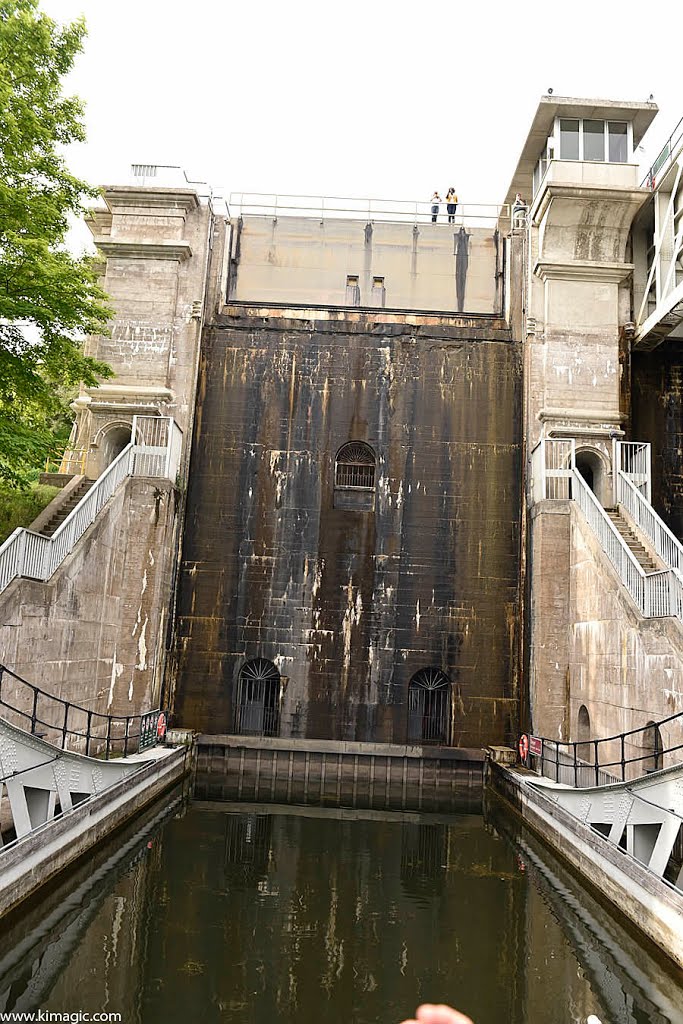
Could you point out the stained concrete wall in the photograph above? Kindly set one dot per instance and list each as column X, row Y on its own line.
column 593, row 647
column 657, row 385
column 94, row 633
column 424, row 266
column 350, row 604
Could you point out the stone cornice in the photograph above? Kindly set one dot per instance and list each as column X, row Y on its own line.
column 111, row 248
column 156, row 198
column 583, row 270
column 580, row 192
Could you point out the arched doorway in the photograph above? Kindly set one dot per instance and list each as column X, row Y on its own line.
column 429, row 707
column 257, row 708
column 652, row 749
column 590, row 465
column 113, row 440
column 584, row 751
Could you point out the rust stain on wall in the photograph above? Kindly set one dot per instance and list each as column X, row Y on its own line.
column 350, row 603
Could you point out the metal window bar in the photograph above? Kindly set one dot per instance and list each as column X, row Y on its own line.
column 355, row 475
column 62, row 722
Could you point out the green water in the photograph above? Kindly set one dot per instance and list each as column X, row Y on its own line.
column 222, row 912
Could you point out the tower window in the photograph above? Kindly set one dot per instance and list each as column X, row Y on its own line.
column 352, row 290
column 355, row 466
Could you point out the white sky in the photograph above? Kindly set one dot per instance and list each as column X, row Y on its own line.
column 356, row 98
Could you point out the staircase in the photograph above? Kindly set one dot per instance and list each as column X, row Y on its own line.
column 643, row 556
column 69, row 505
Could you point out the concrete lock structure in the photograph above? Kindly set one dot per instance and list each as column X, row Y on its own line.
column 361, row 478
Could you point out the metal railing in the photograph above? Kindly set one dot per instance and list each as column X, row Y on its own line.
column 71, row 460
column 251, row 719
column 665, row 545
column 591, row 762
column 60, row 721
column 665, row 156
column 555, row 477
column 263, row 204
column 154, row 451
column 650, row 591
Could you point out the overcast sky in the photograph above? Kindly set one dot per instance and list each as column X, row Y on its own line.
column 359, row 98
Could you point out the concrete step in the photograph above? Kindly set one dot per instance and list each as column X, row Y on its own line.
column 67, row 508
column 644, row 558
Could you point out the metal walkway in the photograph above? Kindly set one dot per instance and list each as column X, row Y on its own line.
column 658, row 250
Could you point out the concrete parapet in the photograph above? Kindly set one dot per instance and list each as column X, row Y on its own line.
column 41, row 856
column 338, row 773
column 651, row 905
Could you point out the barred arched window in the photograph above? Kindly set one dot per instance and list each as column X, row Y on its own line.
column 257, row 708
column 355, row 466
column 429, row 707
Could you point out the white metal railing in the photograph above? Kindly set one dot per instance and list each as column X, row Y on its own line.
column 555, row 476
column 633, row 459
column 338, row 207
column 666, row 546
column 154, row 450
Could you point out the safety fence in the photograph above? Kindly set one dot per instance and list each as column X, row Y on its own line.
column 261, row 204
column 73, row 727
column 153, row 451
column 602, row 762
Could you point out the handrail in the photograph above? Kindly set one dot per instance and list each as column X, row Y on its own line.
column 570, row 763
column 272, row 204
column 652, row 592
column 116, row 734
column 35, row 556
column 666, row 153
column 665, row 544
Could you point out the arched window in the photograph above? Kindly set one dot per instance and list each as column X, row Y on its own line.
column 429, row 707
column 355, row 466
column 257, row 708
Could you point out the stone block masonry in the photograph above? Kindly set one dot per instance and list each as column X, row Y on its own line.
column 94, row 633
column 350, row 604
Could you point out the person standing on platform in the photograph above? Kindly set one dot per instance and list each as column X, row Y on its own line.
column 435, row 203
column 451, row 204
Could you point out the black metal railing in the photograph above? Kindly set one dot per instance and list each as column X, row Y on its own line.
column 591, row 762
column 254, row 719
column 59, row 721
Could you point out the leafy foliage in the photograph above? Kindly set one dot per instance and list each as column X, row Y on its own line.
column 49, row 299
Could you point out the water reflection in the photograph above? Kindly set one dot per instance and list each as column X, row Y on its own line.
column 249, row 914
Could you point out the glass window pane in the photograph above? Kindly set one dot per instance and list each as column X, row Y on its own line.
column 618, row 142
column 593, row 140
column 569, row 139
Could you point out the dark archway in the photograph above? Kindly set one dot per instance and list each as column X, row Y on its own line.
column 257, row 708
column 584, row 751
column 591, row 467
column 429, row 707
column 652, row 749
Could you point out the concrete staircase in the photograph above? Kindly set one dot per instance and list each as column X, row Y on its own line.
column 67, row 506
column 647, row 562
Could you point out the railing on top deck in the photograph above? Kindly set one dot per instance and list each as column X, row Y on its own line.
column 154, row 451
column 261, row 204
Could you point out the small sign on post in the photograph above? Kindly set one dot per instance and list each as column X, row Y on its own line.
column 535, row 746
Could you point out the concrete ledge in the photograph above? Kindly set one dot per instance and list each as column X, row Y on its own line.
column 343, row 747
column 655, row 908
column 41, row 856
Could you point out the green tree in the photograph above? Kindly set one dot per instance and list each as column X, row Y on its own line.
column 49, row 299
